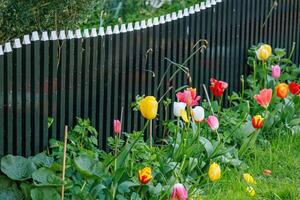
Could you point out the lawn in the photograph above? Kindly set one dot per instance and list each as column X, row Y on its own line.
column 282, row 157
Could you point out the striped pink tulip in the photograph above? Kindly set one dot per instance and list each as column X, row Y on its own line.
column 213, row 122
column 179, row 192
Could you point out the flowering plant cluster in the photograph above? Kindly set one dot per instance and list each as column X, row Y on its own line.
column 201, row 139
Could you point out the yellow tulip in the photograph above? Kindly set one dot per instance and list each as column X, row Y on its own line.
column 264, row 52
column 148, row 107
column 184, row 116
column 249, row 179
column 251, row 192
column 214, row 172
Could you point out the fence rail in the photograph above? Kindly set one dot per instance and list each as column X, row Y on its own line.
column 94, row 73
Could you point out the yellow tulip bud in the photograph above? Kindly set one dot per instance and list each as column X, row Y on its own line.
column 264, row 52
column 251, row 192
column 148, row 107
column 184, row 116
column 249, row 179
column 214, row 172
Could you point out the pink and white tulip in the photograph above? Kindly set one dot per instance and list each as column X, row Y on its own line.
column 213, row 122
column 198, row 113
column 276, row 71
column 179, row 192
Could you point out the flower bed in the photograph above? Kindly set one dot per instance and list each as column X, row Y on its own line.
column 201, row 140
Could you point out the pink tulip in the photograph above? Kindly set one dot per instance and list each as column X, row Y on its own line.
column 213, row 122
column 264, row 97
column 117, row 126
column 276, row 71
column 179, row 192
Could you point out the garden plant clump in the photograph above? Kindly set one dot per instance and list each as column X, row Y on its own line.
column 203, row 140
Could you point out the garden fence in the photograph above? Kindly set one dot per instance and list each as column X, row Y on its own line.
column 95, row 73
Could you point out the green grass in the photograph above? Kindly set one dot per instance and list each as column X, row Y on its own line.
column 282, row 157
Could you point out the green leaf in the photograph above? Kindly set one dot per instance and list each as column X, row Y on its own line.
column 11, row 194
column 207, row 145
column 17, row 167
column 44, row 193
column 88, row 166
column 280, row 52
column 46, row 177
column 125, row 186
column 26, row 189
column 42, row 160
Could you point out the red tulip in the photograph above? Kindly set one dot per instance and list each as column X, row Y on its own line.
column 294, row 88
column 218, row 87
column 117, row 126
column 264, row 97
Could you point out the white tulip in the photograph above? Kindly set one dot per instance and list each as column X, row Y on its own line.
column 198, row 113
column 178, row 107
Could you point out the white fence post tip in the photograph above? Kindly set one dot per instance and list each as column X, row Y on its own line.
column 219, row 1
column 116, row 29
column 129, row 27
column 180, row 15
column 94, row 32
column 123, row 28
column 149, row 23
column 192, row 10
column 1, row 50
column 7, row 47
column 202, row 7
column 86, row 33
column 155, row 21
column 143, row 24
column 197, row 7
column 208, row 4
column 53, row 35
column 26, row 39
column 17, row 43
column 70, row 35
column 108, row 30
column 137, row 26
column 168, row 18
column 62, row 35
column 162, row 19
column 213, row 2
column 101, row 31
column 186, row 12
column 174, row 15
column 45, row 36
column 34, row 36
column 78, row 34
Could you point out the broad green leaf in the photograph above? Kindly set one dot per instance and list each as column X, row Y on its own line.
column 42, row 160
column 46, row 177
column 17, row 167
column 44, row 193
column 125, row 186
column 11, row 194
column 26, row 190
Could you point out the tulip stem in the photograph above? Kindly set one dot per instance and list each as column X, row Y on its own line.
column 150, row 133
column 220, row 104
column 218, row 136
column 206, row 93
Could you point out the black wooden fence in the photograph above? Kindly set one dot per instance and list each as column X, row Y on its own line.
column 94, row 73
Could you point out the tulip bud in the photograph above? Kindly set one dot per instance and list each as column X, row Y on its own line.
column 178, row 107
column 267, row 172
column 250, row 191
column 282, row 90
column 264, row 52
column 214, row 172
column 145, row 175
column 117, row 126
column 148, row 107
column 179, row 192
column 213, row 122
column 276, row 71
column 198, row 113
column 257, row 121
column 249, row 179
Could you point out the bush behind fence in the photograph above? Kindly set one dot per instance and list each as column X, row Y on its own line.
column 94, row 73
